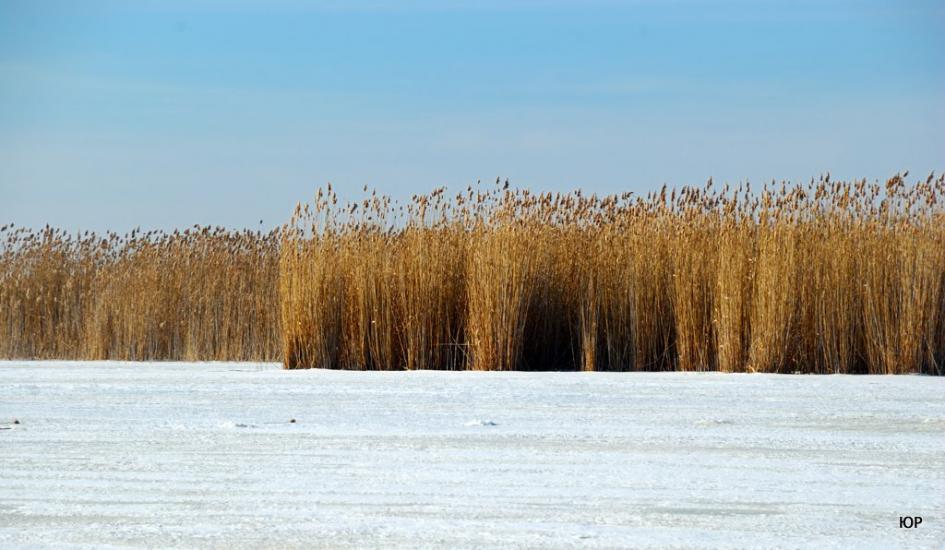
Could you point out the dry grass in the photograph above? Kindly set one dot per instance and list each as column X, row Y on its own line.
column 201, row 294
column 829, row 277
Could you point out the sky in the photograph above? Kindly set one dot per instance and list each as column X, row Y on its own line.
column 117, row 114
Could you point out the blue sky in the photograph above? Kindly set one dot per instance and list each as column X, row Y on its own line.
column 115, row 114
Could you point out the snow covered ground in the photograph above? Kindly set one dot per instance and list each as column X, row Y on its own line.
column 205, row 455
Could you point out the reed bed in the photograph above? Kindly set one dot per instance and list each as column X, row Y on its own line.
column 827, row 277
column 201, row 294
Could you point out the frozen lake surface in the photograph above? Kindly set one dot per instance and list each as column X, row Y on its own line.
column 205, row 455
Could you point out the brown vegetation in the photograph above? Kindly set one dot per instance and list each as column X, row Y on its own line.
column 829, row 277
column 206, row 294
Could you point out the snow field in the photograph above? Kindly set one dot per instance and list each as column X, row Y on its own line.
column 205, row 455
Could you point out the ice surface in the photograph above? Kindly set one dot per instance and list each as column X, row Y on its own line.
column 206, row 455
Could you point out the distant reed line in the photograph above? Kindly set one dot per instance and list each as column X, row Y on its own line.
column 200, row 294
column 827, row 277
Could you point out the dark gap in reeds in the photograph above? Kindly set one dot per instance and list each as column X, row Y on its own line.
column 828, row 277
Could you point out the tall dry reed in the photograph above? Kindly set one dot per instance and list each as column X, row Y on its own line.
column 200, row 294
column 828, row 277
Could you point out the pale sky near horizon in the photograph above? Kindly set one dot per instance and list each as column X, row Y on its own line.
column 165, row 114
